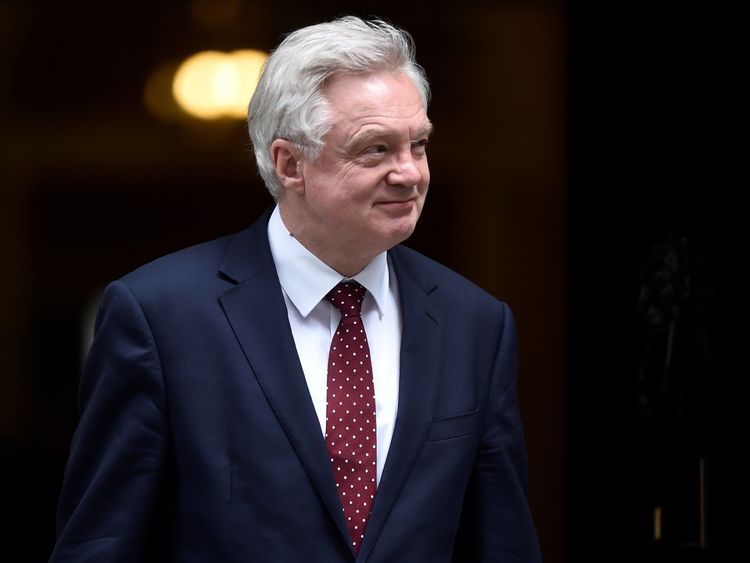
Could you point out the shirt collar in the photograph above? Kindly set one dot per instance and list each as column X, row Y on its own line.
column 306, row 279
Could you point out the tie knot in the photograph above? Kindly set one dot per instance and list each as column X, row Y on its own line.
column 347, row 297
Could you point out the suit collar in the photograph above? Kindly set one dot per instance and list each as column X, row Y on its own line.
column 249, row 252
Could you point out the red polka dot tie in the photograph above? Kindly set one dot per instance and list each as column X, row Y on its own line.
column 351, row 433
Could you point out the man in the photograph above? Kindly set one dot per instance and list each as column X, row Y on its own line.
column 240, row 404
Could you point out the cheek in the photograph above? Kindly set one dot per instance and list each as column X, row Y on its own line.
column 425, row 173
column 347, row 174
column 359, row 185
column 424, row 186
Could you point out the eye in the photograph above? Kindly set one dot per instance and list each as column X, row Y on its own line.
column 419, row 147
column 376, row 149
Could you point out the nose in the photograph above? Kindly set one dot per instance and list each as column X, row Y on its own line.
column 406, row 172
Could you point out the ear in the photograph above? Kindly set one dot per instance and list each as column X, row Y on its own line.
column 287, row 161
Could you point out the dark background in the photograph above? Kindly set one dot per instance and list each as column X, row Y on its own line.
column 587, row 165
column 657, row 144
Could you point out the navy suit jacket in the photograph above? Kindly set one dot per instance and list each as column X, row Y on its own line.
column 198, row 440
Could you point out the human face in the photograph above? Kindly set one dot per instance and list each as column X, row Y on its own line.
column 365, row 192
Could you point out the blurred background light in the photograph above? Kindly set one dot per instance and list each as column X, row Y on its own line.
column 158, row 96
column 216, row 85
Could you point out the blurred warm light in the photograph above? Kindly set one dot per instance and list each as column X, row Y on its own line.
column 157, row 94
column 212, row 84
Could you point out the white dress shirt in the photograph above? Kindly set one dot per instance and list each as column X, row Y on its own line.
column 305, row 281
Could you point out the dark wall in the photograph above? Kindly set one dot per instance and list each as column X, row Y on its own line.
column 658, row 144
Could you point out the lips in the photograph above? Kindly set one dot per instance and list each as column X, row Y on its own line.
column 396, row 202
column 397, row 205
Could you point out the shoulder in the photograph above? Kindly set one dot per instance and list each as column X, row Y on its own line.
column 441, row 281
column 211, row 265
column 194, row 264
column 170, row 294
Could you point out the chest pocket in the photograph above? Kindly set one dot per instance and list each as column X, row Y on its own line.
column 456, row 426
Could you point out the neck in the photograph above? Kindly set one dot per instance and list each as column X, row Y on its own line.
column 337, row 256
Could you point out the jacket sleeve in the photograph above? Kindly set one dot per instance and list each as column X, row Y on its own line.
column 117, row 455
column 496, row 523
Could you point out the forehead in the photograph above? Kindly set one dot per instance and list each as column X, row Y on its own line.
column 380, row 96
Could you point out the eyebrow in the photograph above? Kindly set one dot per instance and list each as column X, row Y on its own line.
column 426, row 129
column 370, row 134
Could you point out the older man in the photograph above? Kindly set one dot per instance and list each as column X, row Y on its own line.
column 307, row 390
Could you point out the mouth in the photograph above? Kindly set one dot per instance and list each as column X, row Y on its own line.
column 397, row 204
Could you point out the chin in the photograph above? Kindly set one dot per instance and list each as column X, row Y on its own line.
column 401, row 233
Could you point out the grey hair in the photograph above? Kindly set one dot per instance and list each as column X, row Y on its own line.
column 288, row 102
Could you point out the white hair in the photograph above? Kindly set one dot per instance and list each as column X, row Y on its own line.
column 288, row 102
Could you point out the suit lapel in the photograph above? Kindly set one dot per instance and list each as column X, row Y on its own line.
column 257, row 313
column 421, row 339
